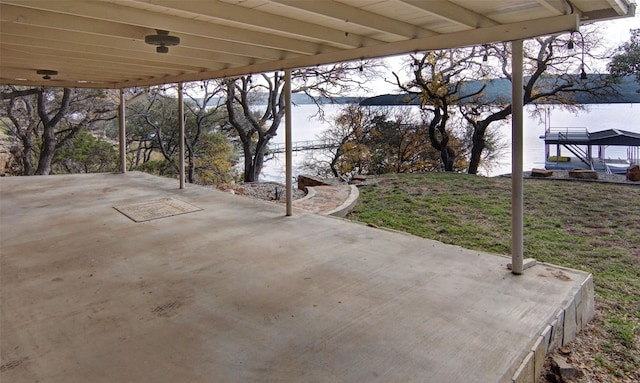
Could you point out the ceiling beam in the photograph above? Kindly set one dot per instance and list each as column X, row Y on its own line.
column 180, row 58
column 608, row 14
column 15, row 73
column 270, row 22
column 125, row 38
column 453, row 12
column 49, row 57
column 119, row 16
column 515, row 31
column 620, row 6
column 558, row 7
column 359, row 17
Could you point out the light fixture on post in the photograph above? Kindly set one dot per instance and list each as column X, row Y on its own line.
column 46, row 73
column 162, row 40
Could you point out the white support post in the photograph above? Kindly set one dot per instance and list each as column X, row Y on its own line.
column 122, row 134
column 288, row 143
column 181, row 134
column 517, row 179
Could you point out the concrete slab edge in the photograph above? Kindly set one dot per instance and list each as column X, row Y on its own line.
column 574, row 315
column 348, row 205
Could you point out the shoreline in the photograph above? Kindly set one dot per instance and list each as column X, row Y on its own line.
column 563, row 175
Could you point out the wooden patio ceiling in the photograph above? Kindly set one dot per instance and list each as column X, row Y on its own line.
column 101, row 44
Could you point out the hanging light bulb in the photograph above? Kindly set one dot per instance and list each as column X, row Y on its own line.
column 570, row 44
column 583, row 74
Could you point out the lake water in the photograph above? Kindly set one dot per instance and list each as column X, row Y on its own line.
column 594, row 118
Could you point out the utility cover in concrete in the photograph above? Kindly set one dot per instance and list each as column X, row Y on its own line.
column 155, row 209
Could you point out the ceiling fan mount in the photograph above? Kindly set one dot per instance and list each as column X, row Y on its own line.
column 46, row 73
column 162, row 40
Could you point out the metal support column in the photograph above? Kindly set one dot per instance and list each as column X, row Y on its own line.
column 122, row 134
column 181, row 134
column 517, row 179
column 288, row 143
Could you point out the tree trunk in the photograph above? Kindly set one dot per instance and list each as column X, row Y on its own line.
column 27, row 150
column 448, row 156
column 191, row 167
column 253, row 162
column 47, row 150
column 477, row 148
column 248, row 161
column 49, row 124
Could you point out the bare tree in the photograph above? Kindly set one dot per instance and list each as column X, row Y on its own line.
column 204, row 115
column 555, row 73
column 377, row 140
column 438, row 79
column 255, row 128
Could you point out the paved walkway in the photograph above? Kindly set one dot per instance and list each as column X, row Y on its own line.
column 335, row 200
column 237, row 292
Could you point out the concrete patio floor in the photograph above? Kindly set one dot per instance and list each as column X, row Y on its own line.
column 237, row 292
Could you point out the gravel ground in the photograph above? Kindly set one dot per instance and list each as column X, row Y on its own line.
column 268, row 191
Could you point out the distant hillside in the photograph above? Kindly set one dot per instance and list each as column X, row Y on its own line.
column 303, row 99
column 499, row 91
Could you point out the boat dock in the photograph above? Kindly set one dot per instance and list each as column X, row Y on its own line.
column 587, row 150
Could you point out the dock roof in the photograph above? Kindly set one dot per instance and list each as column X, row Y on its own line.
column 611, row 137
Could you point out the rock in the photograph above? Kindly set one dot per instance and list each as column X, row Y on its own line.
column 358, row 179
column 564, row 371
column 305, row 180
column 583, row 174
column 633, row 173
column 535, row 172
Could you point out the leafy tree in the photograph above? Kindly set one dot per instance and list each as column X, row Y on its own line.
column 43, row 120
column 153, row 134
column 215, row 160
column 627, row 61
column 152, row 123
column 204, row 117
column 85, row 153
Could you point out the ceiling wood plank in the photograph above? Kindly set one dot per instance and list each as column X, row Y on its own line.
column 453, row 12
column 268, row 21
column 91, row 60
column 515, row 31
column 555, row 6
column 188, row 41
column 149, row 21
column 357, row 16
column 180, row 58
column 103, row 40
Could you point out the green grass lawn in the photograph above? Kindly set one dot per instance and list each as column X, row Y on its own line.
column 593, row 227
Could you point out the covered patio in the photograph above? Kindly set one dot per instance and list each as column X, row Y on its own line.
column 237, row 292
column 243, row 290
